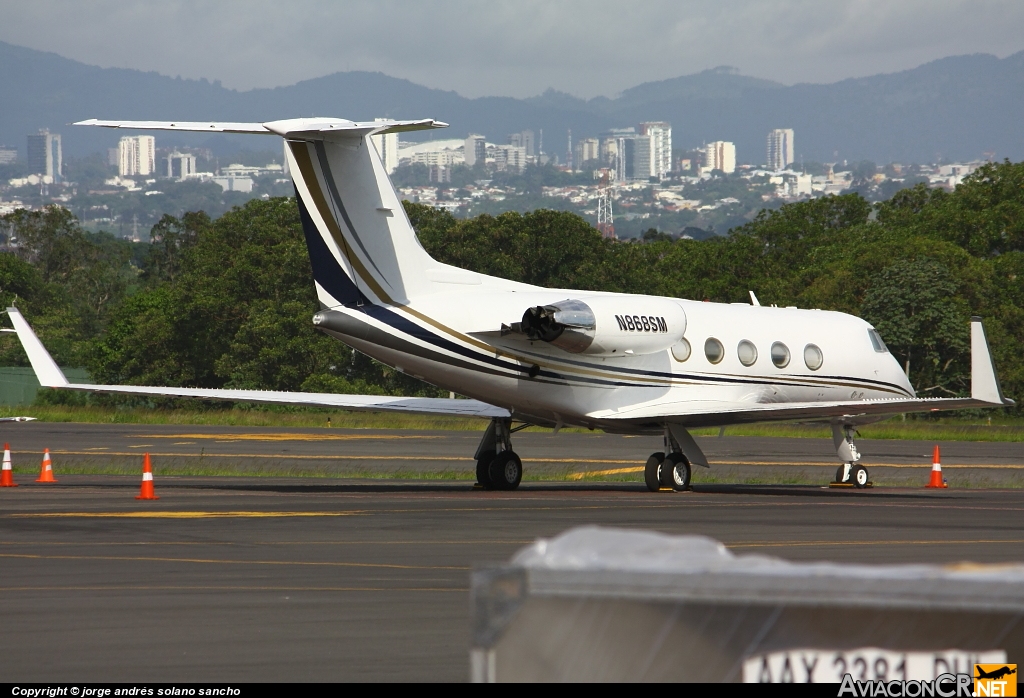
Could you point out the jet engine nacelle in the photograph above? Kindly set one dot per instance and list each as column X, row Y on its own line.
column 607, row 326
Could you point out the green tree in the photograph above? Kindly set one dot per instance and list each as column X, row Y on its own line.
column 916, row 308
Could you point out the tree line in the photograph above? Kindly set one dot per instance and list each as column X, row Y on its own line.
column 227, row 302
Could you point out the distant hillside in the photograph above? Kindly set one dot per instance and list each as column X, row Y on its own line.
column 958, row 107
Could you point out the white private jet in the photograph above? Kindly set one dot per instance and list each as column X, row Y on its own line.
column 526, row 355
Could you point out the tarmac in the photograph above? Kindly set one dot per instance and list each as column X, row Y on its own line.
column 238, row 579
column 411, row 453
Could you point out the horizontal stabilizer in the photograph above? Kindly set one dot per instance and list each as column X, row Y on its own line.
column 288, row 128
column 50, row 376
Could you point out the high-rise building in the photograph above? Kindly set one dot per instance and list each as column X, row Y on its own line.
column 387, row 148
column 720, row 155
column 511, row 158
column 661, row 145
column 780, row 149
column 475, row 150
column 44, row 155
column 8, row 155
column 136, row 156
column 634, row 161
column 523, row 139
column 610, row 143
column 587, row 149
column 181, row 165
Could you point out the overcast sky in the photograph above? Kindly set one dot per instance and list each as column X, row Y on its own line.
column 516, row 48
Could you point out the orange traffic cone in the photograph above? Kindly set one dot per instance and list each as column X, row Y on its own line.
column 46, row 469
column 936, row 480
column 147, row 480
column 7, row 475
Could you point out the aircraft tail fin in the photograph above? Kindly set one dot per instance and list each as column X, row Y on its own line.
column 361, row 243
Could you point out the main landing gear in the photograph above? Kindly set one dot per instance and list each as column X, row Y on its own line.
column 497, row 465
column 850, row 472
column 668, row 471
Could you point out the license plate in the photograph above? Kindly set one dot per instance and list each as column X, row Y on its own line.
column 865, row 664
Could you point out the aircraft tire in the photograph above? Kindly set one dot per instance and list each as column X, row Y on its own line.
column 680, row 474
column 483, row 465
column 505, row 471
column 839, row 472
column 859, row 475
column 652, row 471
column 675, row 472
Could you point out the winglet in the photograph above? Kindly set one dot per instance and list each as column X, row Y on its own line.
column 47, row 371
column 984, row 382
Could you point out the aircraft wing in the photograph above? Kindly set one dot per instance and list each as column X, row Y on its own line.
column 50, row 376
column 698, row 413
column 985, row 393
column 288, row 128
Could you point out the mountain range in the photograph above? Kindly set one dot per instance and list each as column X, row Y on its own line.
column 956, row 108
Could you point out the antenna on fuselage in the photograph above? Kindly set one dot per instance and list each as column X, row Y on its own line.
column 753, row 299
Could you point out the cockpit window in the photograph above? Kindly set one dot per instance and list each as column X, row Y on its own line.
column 876, row 341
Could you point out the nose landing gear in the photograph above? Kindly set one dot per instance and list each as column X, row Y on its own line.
column 850, row 473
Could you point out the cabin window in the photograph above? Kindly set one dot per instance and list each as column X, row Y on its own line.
column 876, row 341
column 714, row 350
column 813, row 357
column 747, row 352
column 780, row 355
column 681, row 350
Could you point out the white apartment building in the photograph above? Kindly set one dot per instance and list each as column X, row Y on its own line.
column 587, row 149
column 387, row 148
column 475, row 150
column 136, row 156
column 780, row 149
column 510, row 157
column 720, row 155
column 661, row 146
column 437, row 158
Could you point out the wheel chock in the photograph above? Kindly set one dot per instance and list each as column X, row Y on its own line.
column 666, row 489
column 850, row 485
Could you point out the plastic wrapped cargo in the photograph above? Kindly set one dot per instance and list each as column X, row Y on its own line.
column 606, row 604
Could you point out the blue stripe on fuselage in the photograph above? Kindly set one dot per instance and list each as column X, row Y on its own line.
column 326, row 270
